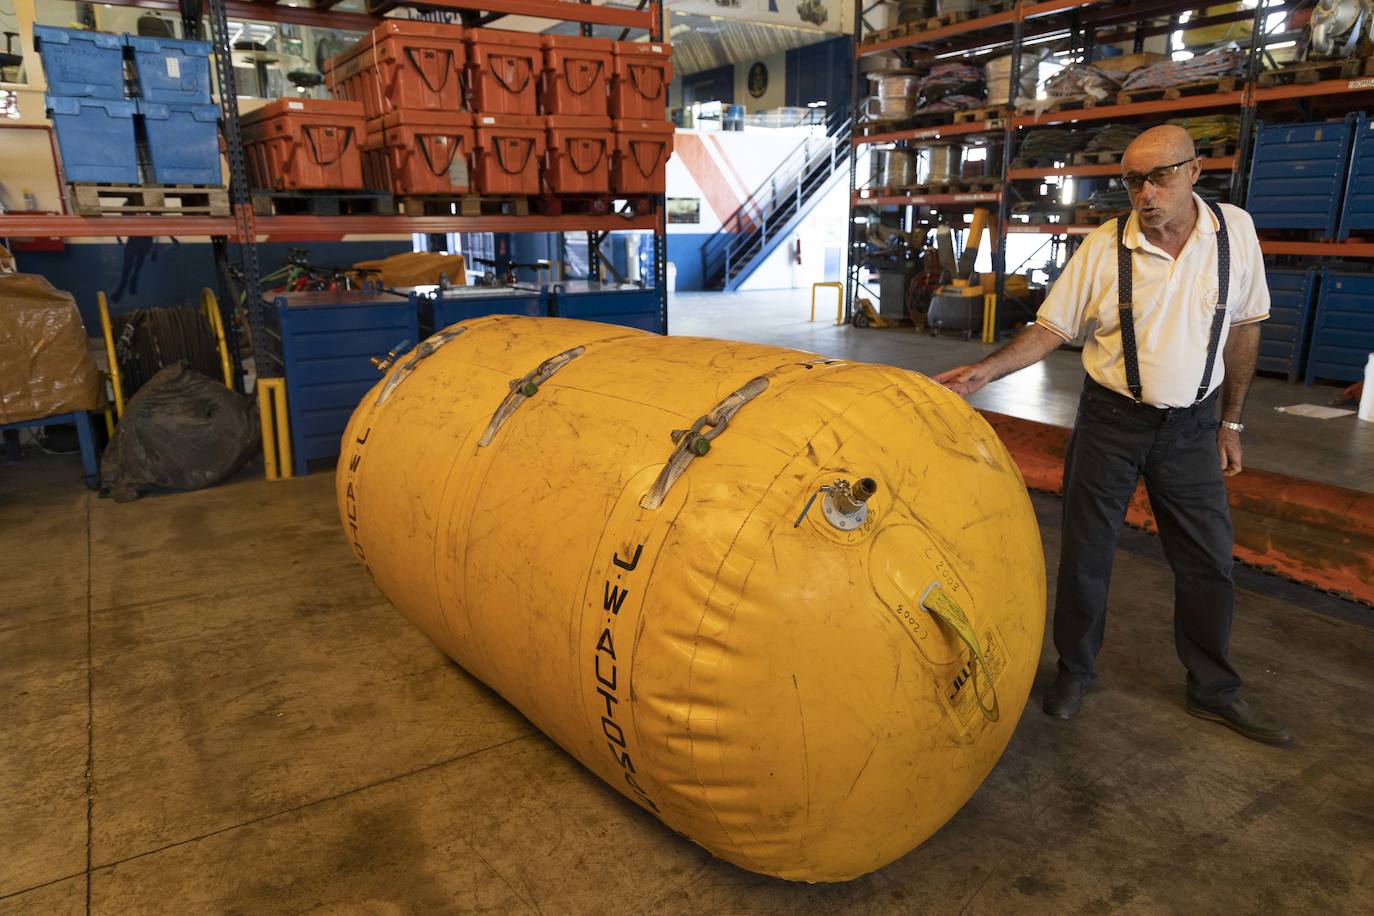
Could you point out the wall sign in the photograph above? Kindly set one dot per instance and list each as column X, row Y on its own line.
column 758, row 80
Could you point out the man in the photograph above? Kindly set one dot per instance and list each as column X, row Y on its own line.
column 1162, row 292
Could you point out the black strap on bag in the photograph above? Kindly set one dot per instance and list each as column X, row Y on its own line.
column 1126, row 310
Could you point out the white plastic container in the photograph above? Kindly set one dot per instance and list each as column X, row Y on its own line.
column 1366, row 412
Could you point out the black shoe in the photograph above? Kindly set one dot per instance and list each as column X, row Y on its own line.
column 1065, row 696
column 1243, row 718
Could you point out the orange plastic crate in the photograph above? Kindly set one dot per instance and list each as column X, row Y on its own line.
column 305, row 144
column 640, row 162
column 508, row 154
column 419, row 152
column 579, row 155
column 577, row 75
column 504, row 70
column 639, row 80
column 402, row 64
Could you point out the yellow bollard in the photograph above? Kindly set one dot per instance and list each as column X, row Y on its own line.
column 839, row 303
column 989, row 318
column 276, row 429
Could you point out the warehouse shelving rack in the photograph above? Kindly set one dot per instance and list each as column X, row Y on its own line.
column 1085, row 23
column 245, row 229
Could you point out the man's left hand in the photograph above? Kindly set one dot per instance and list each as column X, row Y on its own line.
column 1228, row 446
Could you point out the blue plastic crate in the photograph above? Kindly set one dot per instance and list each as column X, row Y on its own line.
column 171, row 70
column 326, row 344
column 182, row 141
column 1357, row 214
column 1343, row 332
column 629, row 306
column 81, row 64
column 439, row 309
column 1297, row 175
column 95, row 138
column 1283, row 337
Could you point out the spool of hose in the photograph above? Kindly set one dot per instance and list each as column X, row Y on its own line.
column 146, row 341
column 791, row 606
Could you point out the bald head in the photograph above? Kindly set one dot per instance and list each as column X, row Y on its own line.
column 1162, row 145
column 1166, row 155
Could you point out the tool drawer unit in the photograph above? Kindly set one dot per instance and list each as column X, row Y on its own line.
column 441, row 308
column 1343, row 331
column 325, row 343
column 1297, row 175
column 1284, row 335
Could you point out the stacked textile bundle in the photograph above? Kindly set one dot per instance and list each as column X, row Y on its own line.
column 1083, row 81
column 1205, row 67
column 1212, row 129
column 951, row 87
column 1114, row 138
column 1052, row 144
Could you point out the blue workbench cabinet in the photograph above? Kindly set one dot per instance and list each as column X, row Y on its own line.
column 624, row 304
column 325, row 342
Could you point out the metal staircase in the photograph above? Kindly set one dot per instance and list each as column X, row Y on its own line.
column 777, row 207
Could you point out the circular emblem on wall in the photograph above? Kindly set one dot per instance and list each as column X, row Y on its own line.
column 758, row 80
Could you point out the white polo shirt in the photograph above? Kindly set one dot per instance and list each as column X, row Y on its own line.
column 1174, row 302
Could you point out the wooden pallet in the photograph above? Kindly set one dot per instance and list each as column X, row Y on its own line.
column 952, row 18
column 464, row 204
column 322, row 203
column 592, row 205
column 165, row 200
column 993, row 114
column 1064, row 103
column 1111, row 157
column 900, row 30
column 1315, row 71
column 960, row 186
column 1202, row 87
column 1086, row 216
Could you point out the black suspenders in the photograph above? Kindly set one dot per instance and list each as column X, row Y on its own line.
column 1126, row 308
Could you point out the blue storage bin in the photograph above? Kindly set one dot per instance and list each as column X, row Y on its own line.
column 630, row 306
column 183, row 142
column 171, row 70
column 95, row 138
column 1297, row 175
column 325, row 344
column 81, row 64
column 1283, row 337
column 1343, row 332
column 440, row 308
column 1357, row 214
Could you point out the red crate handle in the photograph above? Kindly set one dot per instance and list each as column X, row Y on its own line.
column 635, row 79
column 512, row 141
column 656, row 146
column 311, row 133
column 568, row 70
column 429, row 160
column 425, row 76
column 586, row 144
column 496, row 72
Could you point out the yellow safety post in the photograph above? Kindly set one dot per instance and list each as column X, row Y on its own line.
column 276, row 429
column 989, row 318
column 210, row 305
column 839, row 303
column 116, row 381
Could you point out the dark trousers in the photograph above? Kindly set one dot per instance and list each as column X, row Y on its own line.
column 1115, row 441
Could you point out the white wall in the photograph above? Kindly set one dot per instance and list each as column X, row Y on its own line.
column 827, row 226
column 776, row 94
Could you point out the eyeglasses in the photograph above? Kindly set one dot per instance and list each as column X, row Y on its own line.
column 1158, row 177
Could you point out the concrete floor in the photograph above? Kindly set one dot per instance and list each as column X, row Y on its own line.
column 210, row 709
column 1339, row 451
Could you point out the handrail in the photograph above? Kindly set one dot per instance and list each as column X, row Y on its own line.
column 750, row 223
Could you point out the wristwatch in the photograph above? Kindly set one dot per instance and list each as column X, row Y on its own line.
column 1238, row 427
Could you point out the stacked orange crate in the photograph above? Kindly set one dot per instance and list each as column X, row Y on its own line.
column 643, row 140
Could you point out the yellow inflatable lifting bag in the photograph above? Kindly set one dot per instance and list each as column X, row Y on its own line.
column 660, row 551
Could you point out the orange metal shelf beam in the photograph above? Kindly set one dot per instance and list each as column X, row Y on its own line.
column 930, row 133
column 1351, row 249
column 1048, row 229
column 1307, row 90
column 1111, row 169
column 968, row 197
column 1135, row 109
column 1006, row 17
column 303, row 228
column 362, row 22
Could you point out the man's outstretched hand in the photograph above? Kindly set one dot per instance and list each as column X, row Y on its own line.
column 965, row 380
